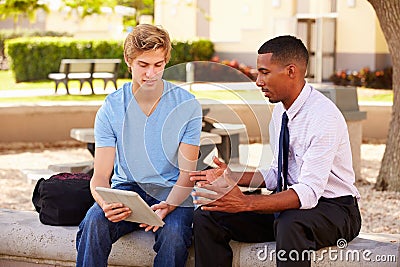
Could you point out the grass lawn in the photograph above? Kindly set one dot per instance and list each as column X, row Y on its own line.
column 381, row 95
column 7, row 83
column 240, row 95
column 33, row 99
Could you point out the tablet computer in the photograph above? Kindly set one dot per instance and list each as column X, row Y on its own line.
column 141, row 212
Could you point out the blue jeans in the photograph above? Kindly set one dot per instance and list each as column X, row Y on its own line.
column 96, row 233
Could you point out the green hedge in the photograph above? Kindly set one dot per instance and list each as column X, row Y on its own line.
column 200, row 50
column 9, row 34
column 191, row 51
column 34, row 58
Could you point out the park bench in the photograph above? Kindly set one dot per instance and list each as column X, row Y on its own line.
column 85, row 70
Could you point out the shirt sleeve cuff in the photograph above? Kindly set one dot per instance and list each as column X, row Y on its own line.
column 269, row 178
column 105, row 143
column 307, row 197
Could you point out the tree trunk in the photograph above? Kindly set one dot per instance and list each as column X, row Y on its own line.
column 388, row 13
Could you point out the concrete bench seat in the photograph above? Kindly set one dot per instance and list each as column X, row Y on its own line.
column 26, row 242
column 25, row 239
column 229, row 132
column 72, row 167
column 208, row 142
column 33, row 175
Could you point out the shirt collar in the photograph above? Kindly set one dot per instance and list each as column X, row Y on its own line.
column 299, row 102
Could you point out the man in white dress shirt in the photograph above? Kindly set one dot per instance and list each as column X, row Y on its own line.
column 319, row 206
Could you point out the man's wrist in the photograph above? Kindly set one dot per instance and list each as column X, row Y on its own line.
column 250, row 203
column 170, row 207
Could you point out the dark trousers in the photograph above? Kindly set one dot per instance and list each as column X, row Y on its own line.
column 299, row 230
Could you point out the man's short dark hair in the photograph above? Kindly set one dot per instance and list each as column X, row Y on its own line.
column 285, row 50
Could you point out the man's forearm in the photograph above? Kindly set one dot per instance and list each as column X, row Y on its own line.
column 187, row 160
column 181, row 190
column 95, row 183
column 249, row 179
column 285, row 200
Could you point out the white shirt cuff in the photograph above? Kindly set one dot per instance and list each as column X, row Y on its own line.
column 307, row 197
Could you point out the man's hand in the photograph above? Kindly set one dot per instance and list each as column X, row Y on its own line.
column 209, row 176
column 162, row 209
column 224, row 196
column 116, row 212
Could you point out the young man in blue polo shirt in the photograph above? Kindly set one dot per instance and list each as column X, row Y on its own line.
column 148, row 133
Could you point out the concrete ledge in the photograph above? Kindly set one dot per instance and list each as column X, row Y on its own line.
column 26, row 242
column 72, row 167
column 377, row 124
column 46, row 122
column 24, row 238
column 33, row 175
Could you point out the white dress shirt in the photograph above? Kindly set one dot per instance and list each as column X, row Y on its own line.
column 320, row 161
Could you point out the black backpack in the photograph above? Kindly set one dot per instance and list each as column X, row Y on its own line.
column 63, row 199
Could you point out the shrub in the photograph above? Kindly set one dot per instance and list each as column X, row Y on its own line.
column 200, row 50
column 34, row 58
column 8, row 34
column 250, row 72
column 182, row 52
column 379, row 79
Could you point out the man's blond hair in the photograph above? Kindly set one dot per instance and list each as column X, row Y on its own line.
column 146, row 37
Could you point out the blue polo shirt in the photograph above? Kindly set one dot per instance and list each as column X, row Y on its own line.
column 147, row 146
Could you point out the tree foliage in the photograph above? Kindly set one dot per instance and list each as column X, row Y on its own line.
column 143, row 7
column 89, row 7
column 16, row 8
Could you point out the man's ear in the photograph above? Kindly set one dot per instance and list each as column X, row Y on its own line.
column 291, row 70
column 127, row 62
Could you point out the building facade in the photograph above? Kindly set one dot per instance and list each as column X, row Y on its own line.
column 340, row 34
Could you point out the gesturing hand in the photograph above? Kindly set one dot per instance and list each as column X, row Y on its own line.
column 209, row 176
column 221, row 195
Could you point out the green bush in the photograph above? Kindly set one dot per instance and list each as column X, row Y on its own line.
column 5, row 35
column 9, row 34
column 34, row 58
column 379, row 79
column 200, row 50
